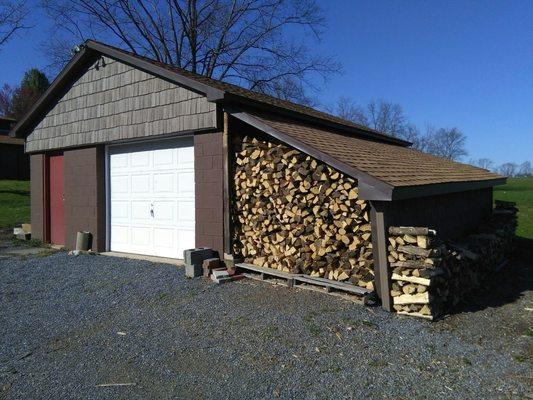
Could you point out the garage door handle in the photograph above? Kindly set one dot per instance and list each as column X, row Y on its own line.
column 152, row 210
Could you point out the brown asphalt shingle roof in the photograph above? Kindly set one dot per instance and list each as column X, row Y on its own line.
column 257, row 96
column 394, row 165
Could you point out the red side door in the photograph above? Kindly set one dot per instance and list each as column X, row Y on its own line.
column 57, row 214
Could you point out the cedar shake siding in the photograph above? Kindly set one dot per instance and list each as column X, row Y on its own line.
column 209, row 178
column 113, row 101
column 37, row 196
column 84, row 174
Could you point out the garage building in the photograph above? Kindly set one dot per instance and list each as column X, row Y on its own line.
column 140, row 154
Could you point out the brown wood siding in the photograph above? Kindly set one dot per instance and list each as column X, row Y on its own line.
column 85, row 195
column 113, row 101
column 451, row 215
column 37, row 191
column 209, row 178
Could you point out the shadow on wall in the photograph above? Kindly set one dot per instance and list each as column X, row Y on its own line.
column 19, row 192
column 506, row 285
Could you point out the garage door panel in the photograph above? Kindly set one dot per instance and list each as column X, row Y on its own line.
column 156, row 177
column 165, row 158
column 165, row 183
column 121, row 234
column 186, row 184
column 121, row 211
column 140, row 159
column 140, row 211
column 120, row 161
column 165, row 239
column 164, row 213
column 185, row 158
column 186, row 213
column 141, row 236
column 120, row 184
column 186, row 239
column 141, row 184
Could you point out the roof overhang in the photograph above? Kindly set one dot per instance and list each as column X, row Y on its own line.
column 370, row 188
column 236, row 101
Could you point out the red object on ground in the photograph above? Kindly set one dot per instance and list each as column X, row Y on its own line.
column 57, row 199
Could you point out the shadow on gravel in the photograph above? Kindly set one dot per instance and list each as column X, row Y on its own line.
column 505, row 286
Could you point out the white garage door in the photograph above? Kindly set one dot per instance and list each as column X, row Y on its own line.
column 151, row 198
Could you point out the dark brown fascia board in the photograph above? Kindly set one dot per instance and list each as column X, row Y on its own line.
column 211, row 93
column 370, row 188
column 409, row 192
column 43, row 103
column 233, row 100
column 163, row 136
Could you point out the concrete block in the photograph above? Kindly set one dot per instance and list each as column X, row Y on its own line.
column 197, row 256
column 193, row 270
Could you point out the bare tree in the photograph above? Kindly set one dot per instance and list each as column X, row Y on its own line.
column 386, row 117
column 448, row 143
column 349, row 110
column 383, row 116
column 485, row 163
column 6, row 100
column 242, row 41
column 13, row 16
column 507, row 169
column 525, row 169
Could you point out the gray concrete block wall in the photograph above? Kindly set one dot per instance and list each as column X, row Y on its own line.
column 209, row 178
column 37, row 193
column 85, row 195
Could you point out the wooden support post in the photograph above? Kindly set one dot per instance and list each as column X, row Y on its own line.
column 382, row 279
column 227, row 188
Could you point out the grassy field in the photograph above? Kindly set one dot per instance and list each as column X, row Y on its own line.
column 519, row 190
column 14, row 203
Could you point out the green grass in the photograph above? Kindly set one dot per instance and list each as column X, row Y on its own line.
column 14, row 203
column 519, row 190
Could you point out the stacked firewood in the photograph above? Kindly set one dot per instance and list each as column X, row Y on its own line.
column 299, row 215
column 430, row 276
column 414, row 259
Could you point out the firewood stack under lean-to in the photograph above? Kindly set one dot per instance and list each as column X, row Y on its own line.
column 299, row 215
column 430, row 276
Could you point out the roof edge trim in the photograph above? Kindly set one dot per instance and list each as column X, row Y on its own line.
column 363, row 133
column 370, row 188
column 409, row 192
column 212, row 93
column 55, row 86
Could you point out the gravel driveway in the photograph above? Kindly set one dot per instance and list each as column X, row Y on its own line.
column 69, row 326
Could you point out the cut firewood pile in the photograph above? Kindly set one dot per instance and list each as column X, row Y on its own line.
column 298, row 215
column 429, row 276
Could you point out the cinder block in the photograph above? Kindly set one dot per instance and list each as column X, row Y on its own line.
column 197, row 256
column 209, row 265
column 193, row 271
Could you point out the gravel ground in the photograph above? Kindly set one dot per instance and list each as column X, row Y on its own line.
column 70, row 324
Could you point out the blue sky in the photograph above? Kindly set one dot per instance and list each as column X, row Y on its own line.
column 451, row 63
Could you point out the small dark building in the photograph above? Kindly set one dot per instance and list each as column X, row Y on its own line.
column 14, row 163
